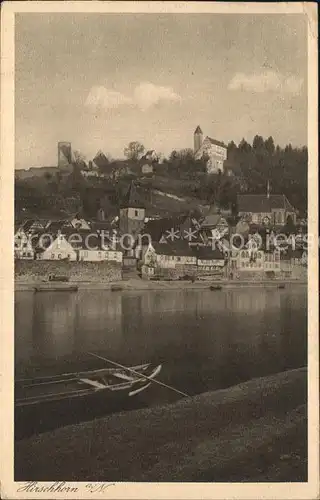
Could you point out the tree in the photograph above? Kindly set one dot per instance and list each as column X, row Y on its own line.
column 231, row 146
column 269, row 145
column 258, row 143
column 185, row 154
column 244, row 146
column 134, row 150
column 173, row 156
column 182, row 164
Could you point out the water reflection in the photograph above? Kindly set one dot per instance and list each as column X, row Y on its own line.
column 205, row 339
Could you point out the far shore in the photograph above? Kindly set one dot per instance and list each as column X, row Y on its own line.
column 140, row 284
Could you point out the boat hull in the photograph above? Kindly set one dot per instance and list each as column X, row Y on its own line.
column 39, row 414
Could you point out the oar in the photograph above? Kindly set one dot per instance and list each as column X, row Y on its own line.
column 140, row 374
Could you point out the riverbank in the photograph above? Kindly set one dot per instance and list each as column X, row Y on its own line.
column 255, row 431
column 140, row 285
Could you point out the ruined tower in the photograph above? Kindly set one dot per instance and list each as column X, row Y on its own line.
column 64, row 154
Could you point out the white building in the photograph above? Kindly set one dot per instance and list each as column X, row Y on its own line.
column 214, row 151
column 23, row 248
column 168, row 255
column 57, row 249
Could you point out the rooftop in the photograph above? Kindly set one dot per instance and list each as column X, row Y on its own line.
column 207, row 253
column 217, row 143
column 261, row 203
column 178, row 248
column 132, row 198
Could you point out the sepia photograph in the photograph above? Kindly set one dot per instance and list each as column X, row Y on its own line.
column 159, row 200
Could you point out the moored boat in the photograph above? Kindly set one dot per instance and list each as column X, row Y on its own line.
column 108, row 381
column 56, row 288
column 45, row 403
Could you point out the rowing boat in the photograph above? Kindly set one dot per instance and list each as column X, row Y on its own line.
column 109, row 381
column 42, row 404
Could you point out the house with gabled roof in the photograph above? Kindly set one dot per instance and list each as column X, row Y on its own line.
column 213, row 226
column 79, row 222
column 169, row 254
column 209, row 259
column 25, row 234
column 174, row 228
column 58, row 225
column 55, row 246
column 33, row 225
column 150, row 155
column 94, row 247
column 147, row 162
column 214, row 151
column 23, row 246
column 267, row 209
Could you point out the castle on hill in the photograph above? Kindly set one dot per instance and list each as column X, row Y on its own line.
column 214, row 151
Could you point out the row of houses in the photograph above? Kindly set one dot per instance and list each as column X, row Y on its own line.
column 215, row 243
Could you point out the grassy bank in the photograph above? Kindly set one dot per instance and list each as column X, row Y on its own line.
column 255, row 431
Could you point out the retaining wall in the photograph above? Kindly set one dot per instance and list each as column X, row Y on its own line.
column 35, row 271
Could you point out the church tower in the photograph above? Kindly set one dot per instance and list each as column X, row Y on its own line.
column 132, row 212
column 197, row 138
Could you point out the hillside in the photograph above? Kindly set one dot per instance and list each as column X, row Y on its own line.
column 178, row 184
column 41, row 198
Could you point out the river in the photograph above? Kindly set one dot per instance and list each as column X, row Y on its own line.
column 205, row 340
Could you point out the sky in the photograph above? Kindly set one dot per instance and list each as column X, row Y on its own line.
column 102, row 80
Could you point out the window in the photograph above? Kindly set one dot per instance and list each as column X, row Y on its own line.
column 279, row 217
column 59, row 256
column 136, row 213
column 254, row 218
column 52, row 256
column 179, row 259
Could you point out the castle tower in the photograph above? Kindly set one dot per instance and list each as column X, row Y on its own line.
column 197, row 138
column 132, row 212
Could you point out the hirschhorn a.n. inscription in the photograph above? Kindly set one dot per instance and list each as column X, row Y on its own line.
column 56, row 487
column 161, row 247
column 61, row 487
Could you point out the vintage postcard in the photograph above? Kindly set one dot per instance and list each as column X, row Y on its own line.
column 159, row 257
